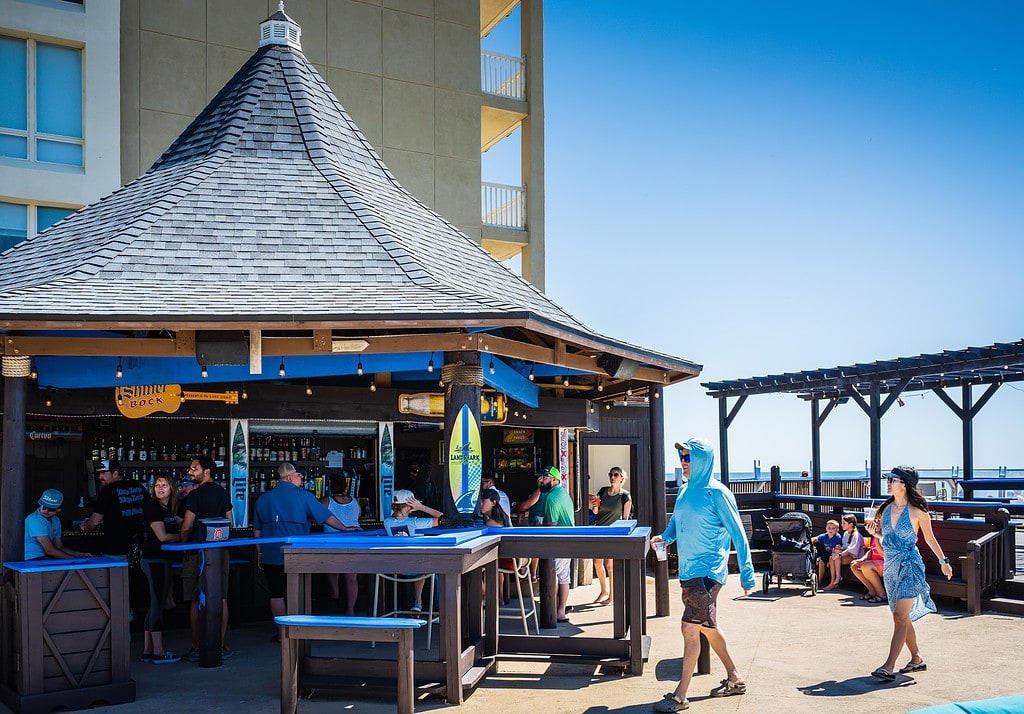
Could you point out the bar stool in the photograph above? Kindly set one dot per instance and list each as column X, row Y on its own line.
column 395, row 611
column 520, row 571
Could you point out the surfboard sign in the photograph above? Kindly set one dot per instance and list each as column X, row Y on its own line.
column 387, row 467
column 465, row 461
column 239, row 470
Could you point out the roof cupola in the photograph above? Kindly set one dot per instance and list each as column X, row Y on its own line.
column 279, row 29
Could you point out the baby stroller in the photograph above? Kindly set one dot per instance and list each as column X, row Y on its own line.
column 792, row 551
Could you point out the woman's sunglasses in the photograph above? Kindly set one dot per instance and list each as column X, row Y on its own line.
column 685, row 458
column 895, row 478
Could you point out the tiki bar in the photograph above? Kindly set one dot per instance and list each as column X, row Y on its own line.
column 266, row 293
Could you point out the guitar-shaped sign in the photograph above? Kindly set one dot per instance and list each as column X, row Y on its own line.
column 137, row 402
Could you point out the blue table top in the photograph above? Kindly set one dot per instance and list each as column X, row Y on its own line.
column 433, row 537
column 42, row 565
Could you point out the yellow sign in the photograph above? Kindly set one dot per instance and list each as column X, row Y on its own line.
column 493, row 406
column 137, row 402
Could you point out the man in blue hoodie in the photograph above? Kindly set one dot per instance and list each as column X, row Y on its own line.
column 704, row 522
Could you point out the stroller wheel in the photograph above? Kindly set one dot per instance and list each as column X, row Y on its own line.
column 766, row 581
column 814, row 583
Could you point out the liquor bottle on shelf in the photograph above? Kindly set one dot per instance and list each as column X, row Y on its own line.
column 120, row 447
column 131, row 449
column 143, row 454
column 174, row 452
column 152, row 450
column 222, row 449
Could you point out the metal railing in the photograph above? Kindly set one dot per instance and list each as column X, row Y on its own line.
column 503, row 75
column 503, row 206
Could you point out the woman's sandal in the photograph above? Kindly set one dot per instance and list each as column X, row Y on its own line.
column 884, row 674
column 876, row 599
column 913, row 667
column 866, row 597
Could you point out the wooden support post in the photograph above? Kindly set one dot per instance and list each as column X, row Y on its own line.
column 967, row 429
column 723, row 440
column 656, row 415
column 213, row 563
column 548, row 594
column 463, row 379
column 12, row 486
column 815, row 449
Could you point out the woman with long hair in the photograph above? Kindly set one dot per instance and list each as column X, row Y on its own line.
column 898, row 521
column 403, row 503
column 611, row 504
column 160, row 514
column 346, row 509
column 495, row 517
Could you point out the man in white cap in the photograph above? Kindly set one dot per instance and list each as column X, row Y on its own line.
column 43, row 531
column 558, row 511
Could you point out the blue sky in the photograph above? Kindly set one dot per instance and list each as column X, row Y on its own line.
column 765, row 187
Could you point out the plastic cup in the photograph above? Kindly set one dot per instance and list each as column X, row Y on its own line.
column 661, row 550
column 869, row 513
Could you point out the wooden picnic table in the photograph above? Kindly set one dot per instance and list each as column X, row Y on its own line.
column 627, row 545
column 461, row 559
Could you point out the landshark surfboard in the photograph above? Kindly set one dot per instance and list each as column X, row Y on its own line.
column 465, row 461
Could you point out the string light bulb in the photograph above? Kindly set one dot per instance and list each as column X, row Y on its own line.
column 245, row 393
column 531, row 377
column 33, row 374
column 280, row 370
column 119, row 373
column 430, row 364
column 206, row 372
column 359, row 366
column 591, row 407
column 565, row 381
column 309, row 390
column 490, row 367
column 119, row 399
column 608, row 407
column 600, row 385
column 373, row 384
column 49, row 403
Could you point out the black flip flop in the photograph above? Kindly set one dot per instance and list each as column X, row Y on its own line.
column 913, row 667
column 883, row 674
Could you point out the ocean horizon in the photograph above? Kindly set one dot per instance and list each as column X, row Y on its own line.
column 926, row 474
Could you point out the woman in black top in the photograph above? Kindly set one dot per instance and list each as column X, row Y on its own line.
column 609, row 505
column 162, row 526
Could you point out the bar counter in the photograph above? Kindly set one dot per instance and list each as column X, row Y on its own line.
column 67, row 625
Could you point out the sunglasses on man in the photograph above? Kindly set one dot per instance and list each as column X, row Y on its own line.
column 684, row 457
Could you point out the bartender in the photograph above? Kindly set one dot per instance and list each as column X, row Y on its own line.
column 43, row 530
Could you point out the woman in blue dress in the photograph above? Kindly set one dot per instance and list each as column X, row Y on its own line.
column 900, row 518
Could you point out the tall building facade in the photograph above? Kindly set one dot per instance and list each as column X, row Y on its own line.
column 93, row 91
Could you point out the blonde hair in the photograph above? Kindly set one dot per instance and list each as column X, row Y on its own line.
column 832, row 522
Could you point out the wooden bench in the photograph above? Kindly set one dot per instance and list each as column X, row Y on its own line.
column 975, row 549
column 297, row 628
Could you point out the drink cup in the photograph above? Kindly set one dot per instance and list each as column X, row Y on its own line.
column 595, row 502
column 869, row 513
column 661, row 550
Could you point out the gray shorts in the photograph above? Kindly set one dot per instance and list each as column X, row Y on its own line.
column 700, row 601
column 190, row 577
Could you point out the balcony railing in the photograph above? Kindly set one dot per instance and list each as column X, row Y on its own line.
column 503, row 206
column 503, row 75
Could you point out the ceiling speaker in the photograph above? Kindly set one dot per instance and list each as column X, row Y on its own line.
column 617, row 367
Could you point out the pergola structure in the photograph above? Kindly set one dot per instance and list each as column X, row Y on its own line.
column 867, row 384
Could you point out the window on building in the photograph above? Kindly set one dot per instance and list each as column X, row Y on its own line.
column 15, row 218
column 40, row 101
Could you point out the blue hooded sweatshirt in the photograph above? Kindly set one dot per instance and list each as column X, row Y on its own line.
column 704, row 521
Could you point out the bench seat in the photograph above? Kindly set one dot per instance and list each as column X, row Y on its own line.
column 297, row 628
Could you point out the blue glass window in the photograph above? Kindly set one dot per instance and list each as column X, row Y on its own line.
column 40, row 102
column 13, row 84
column 13, row 224
column 59, row 90
column 46, row 216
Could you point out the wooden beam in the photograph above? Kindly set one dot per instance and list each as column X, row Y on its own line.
column 255, row 351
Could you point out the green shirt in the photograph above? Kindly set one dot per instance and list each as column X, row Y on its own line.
column 558, row 508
